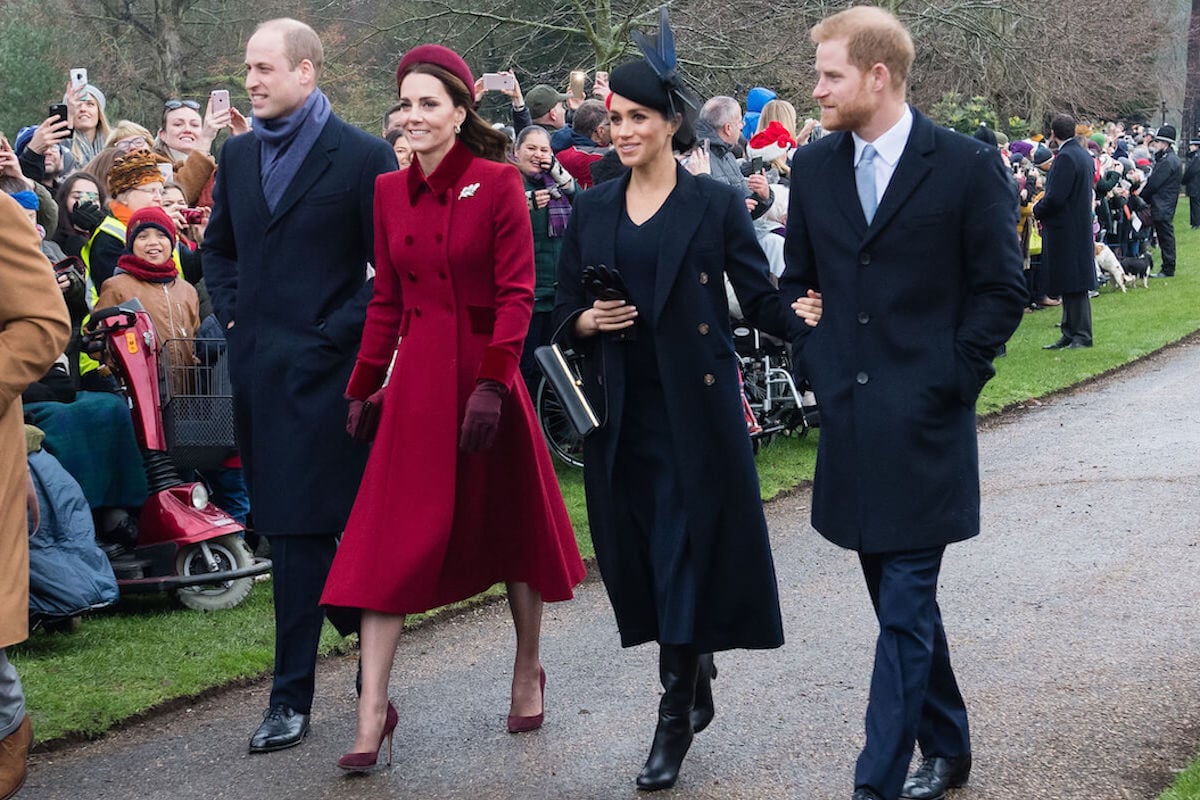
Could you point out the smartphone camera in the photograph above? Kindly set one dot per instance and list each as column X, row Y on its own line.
column 193, row 216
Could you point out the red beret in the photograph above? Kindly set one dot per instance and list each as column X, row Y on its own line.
column 440, row 56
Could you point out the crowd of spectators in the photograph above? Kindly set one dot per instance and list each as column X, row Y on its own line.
column 83, row 180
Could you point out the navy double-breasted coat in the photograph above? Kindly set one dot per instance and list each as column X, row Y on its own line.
column 915, row 306
column 710, row 236
column 294, row 282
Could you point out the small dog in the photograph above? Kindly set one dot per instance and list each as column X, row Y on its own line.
column 1107, row 261
column 1138, row 267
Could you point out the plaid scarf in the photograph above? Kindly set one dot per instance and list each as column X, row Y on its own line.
column 559, row 209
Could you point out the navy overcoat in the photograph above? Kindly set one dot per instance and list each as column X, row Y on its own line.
column 711, row 235
column 914, row 307
column 294, row 283
column 1065, row 211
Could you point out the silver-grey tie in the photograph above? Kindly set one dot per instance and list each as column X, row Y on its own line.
column 864, row 178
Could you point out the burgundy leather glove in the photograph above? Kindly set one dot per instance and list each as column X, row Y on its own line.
column 482, row 419
column 360, row 429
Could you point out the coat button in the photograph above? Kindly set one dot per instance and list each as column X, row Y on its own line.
column 442, row 275
column 408, row 240
column 703, row 328
column 437, row 237
column 864, row 258
column 703, row 277
column 863, row 318
column 412, row 276
column 709, row 379
column 417, row 311
column 862, row 378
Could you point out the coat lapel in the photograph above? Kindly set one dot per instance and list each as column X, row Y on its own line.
column 842, row 184
column 684, row 215
column 915, row 163
column 315, row 164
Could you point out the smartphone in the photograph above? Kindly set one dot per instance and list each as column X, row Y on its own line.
column 193, row 216
column 704, row 146
column 219, row 100
column 496, row 81
column 756, row 165
column 575, row 87
column 601, row 76
column 79, row 78
column 58, row 110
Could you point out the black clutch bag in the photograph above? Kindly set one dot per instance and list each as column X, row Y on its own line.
column 567, row 384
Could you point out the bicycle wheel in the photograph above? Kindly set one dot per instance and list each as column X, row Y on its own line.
column 564, row 442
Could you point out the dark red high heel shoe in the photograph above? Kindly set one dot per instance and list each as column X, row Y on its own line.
column 517, row 724
column 365, row 762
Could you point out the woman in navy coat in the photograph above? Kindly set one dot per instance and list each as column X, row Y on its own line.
column 672, row 492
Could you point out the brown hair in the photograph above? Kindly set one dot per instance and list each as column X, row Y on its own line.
column 479, row 137
column 873, row 36
column 300, row 42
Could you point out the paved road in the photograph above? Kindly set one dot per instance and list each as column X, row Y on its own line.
column 1074, row 620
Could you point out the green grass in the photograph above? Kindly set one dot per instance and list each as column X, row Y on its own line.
column 1186, row 785
column 150, row 652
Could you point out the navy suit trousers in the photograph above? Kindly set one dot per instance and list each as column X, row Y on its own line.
column 914, row 696
column 299, row 566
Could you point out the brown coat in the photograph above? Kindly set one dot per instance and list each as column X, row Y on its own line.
column 174, row 308
column 34, row 328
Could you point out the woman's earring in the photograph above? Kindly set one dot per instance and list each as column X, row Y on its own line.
column 457, row 129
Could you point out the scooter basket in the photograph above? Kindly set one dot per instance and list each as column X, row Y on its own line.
column 198, row 403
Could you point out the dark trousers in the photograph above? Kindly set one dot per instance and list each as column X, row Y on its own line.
column 1165, row 230
column 1077, row 317
column 299, row 566
column 1194, row 210
column 914, row 696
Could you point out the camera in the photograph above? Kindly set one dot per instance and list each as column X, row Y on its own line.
column 193, row 216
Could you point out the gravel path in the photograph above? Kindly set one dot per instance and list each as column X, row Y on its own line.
column 1074, row 622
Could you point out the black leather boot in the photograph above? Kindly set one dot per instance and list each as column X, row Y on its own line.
column 702, row 710
column 677, row 667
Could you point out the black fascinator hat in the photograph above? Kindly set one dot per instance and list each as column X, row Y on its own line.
column 654, row 81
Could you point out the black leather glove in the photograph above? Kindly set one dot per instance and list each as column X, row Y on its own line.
column 604, row 283
column 482, row 418
column 87, row 216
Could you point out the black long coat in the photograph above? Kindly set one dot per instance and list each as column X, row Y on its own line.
column 1065, row 211
column 914, row 307
column 1162, row 187
column 294, row 282
column 711, row 235
column 1191, row 176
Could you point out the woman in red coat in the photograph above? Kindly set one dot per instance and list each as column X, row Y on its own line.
column 459, row 492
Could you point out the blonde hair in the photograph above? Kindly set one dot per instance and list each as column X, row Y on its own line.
column 873, row 36
column 784, row 113
column 126, row 128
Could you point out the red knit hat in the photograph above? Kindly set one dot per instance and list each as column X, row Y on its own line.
column 439, row 56
column 149, row 217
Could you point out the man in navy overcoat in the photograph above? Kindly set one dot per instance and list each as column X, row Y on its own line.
column 902, row 256
column 1068, row 255
column 285, row 260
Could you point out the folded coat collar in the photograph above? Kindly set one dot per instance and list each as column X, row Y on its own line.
column 445, row 177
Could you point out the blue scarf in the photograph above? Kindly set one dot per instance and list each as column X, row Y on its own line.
column 284, row 143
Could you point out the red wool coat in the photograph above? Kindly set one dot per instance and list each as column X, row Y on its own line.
column 454, row 280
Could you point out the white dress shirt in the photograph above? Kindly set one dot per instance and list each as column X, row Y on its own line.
column 888, row 149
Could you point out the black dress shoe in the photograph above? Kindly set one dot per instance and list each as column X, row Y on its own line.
column 1162, row 274
column 935, row 776
column 863, row 793
column 282, row 727
column 1077, row 345
column 1059, row 345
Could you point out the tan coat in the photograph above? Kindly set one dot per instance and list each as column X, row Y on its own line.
column 34, row 328
column 174, row 308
